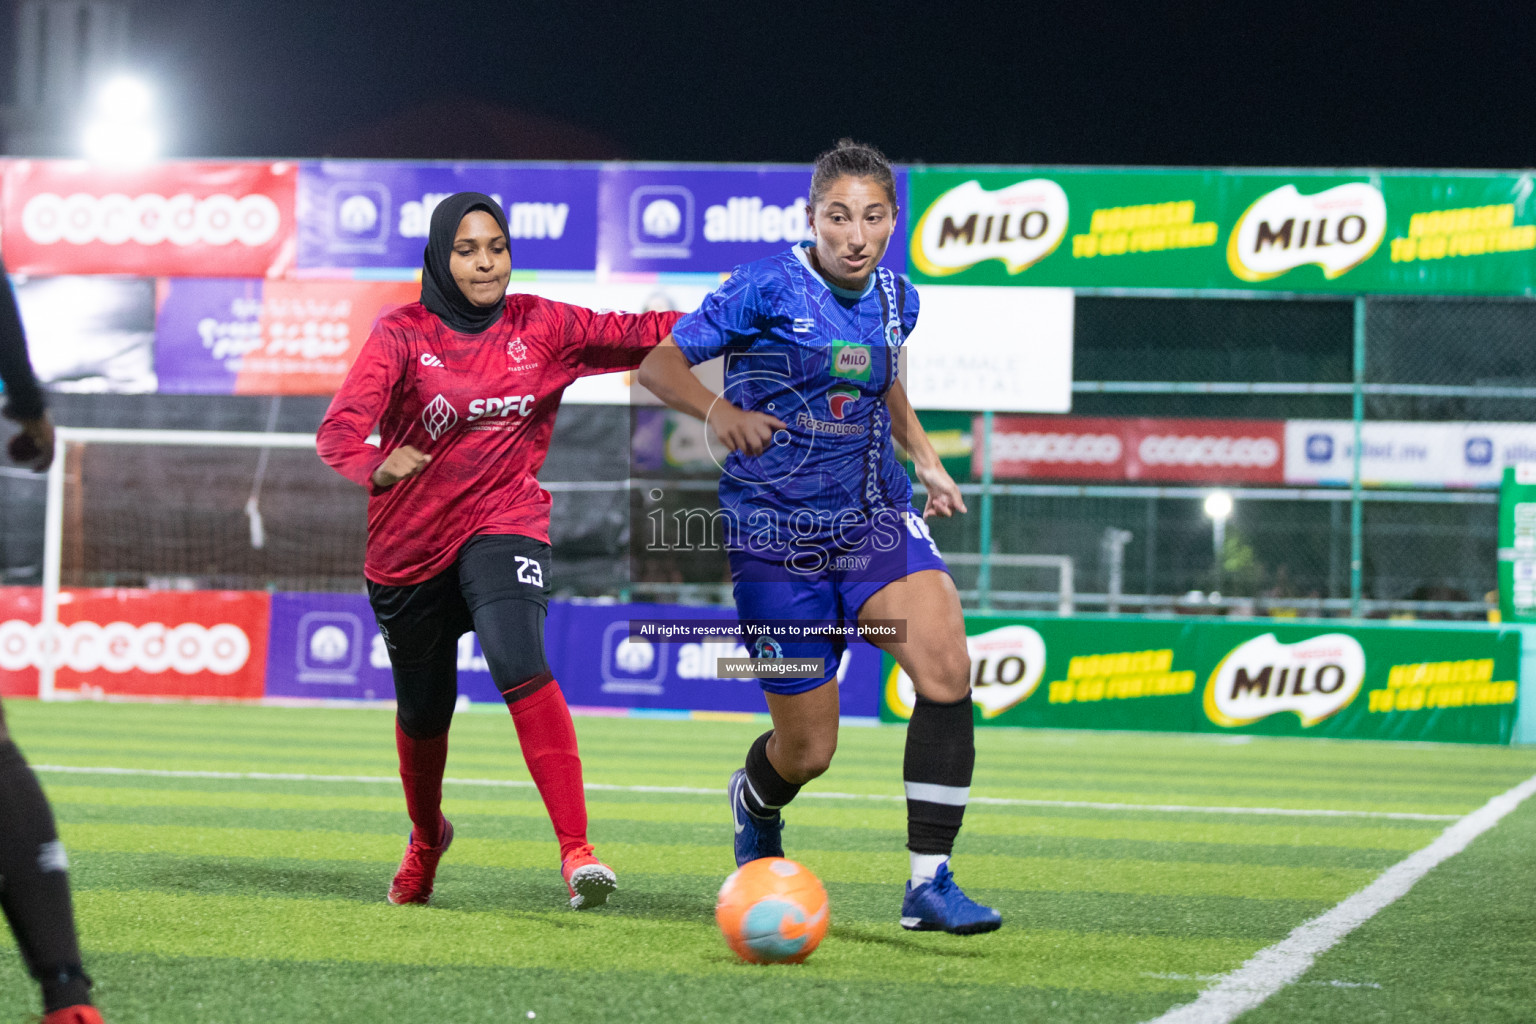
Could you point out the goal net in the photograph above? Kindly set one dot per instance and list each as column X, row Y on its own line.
column 201, row 510
column 174, row 510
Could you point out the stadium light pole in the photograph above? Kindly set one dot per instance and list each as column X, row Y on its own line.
column 120, row 124
column 1218, row 506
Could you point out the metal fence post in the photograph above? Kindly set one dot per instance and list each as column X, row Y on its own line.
column 984, row 570
column 1356, row 518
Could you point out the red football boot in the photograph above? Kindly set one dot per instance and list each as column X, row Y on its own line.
column 413, row 882
column 590, row 881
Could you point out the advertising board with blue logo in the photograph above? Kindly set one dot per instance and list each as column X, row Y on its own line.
column 700, row 219
column 1404, row 454
column 328, row 647
column 370, row 213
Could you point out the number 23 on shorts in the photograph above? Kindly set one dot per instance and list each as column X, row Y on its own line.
column 529, row 571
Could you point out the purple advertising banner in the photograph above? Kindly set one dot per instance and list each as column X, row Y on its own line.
column 709, row 219
column 372, row 213
column 204, row 327
column 327, row 646
column 629, row 672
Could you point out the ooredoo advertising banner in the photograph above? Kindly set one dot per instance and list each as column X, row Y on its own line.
column 372, row 213
column 1160, row 450
column 168, row 219
column 256, row 337
column 1453, row 232
column 1454, row 683
column 141, row 643
column 708, row 219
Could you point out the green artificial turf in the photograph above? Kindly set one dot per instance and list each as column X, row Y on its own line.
column 219, row 901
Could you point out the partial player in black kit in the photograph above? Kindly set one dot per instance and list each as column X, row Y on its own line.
column 34, row 879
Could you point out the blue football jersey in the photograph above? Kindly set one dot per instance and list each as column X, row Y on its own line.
column 820, row 359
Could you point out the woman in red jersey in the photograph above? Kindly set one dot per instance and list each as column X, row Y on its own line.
column 464, row 386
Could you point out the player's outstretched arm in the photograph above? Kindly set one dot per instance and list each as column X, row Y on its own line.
column 24, row 396
column 668, row 375
column 944, row 497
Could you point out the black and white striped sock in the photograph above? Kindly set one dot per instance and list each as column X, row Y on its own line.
column 766, row 790
column 940, row 756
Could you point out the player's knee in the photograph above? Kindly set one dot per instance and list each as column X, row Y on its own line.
column 945, row 676
column 423, row 722
column 517, row 674
column 807, row 757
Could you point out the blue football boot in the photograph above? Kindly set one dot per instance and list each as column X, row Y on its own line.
column 755, row 837
column 940, row 906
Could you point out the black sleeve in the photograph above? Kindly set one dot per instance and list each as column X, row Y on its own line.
column 24, row 398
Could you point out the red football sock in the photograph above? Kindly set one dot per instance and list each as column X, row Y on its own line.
column 548, row 739
column 421, row 773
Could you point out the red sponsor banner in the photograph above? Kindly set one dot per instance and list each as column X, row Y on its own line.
column 171, row 219
column 1053, row 448
column 312, row 331
column 141, row 643
column 1149, row 450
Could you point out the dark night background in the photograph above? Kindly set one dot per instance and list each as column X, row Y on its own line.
column 1090, row 82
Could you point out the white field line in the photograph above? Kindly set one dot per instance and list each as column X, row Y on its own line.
column 1274, row 967
column 1283, row 812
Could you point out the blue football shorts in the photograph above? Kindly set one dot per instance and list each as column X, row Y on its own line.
column 779, row 599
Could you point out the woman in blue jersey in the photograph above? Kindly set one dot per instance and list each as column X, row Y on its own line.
column 821, row 529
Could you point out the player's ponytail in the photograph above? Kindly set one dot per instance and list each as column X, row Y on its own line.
column 849, row 159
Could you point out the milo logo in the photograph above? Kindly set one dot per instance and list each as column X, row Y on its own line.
column 1337, row 229
column 1019, row 225
column 1314, row 678
column 1007, row 665
column 850, row 361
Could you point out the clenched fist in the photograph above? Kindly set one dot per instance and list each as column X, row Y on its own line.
column 401, row 464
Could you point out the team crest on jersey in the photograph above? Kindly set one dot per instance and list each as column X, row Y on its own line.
column 767, row 647
column 851, row 361
column 517, row 356
column 839, row 400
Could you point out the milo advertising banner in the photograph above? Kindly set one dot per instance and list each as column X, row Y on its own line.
column 1452, row 683
column 1323, row 231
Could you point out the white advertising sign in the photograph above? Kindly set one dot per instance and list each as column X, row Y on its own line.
column 1398, row 454
column 1005, row 349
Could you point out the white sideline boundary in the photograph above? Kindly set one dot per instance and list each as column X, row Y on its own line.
column 1274, row 967
column 600, row 787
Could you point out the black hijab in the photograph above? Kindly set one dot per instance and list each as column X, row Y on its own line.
column 439, row 291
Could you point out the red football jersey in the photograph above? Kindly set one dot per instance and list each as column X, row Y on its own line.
column 483, row 406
